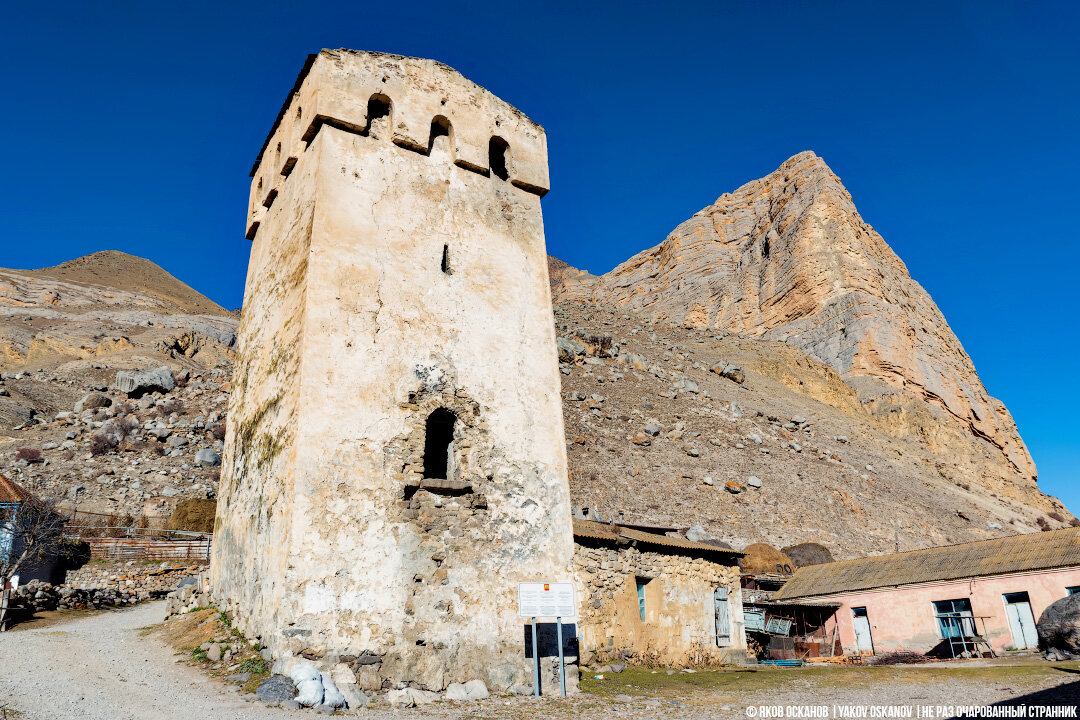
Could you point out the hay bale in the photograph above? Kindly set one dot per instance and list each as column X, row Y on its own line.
column 763, row 558
column 195, row 515
column 808, row 553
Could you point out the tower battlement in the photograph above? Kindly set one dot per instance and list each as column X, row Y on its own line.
column 422, row 100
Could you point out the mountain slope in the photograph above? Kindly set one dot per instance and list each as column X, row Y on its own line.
column 115, row 269
column 788, row 258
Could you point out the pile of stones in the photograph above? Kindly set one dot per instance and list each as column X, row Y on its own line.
column 38, row 596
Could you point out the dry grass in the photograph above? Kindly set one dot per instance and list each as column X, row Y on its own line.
column 194, row 514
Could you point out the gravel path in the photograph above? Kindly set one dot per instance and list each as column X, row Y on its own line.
column 103, row 668
column 100, row 668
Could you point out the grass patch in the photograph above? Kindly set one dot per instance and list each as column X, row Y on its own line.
column 758, row 680
column 254, row 665
column 256, row 680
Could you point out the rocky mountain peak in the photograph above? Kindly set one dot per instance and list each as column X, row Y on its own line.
column 788, row 257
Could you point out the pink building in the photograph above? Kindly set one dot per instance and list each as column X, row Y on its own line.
column 952, row 600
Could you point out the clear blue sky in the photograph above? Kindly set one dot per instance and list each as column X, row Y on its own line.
column 132, row 126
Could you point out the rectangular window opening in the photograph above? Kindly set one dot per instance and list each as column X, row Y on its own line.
column 641, row 583
column 446, row 259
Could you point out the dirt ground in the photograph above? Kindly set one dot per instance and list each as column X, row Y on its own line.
column 106, row 666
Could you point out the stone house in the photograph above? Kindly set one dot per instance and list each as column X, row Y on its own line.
column 966, row 599
column 395, row 459
column 655, row 598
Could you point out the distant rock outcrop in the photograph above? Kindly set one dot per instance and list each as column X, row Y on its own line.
column 788, row 258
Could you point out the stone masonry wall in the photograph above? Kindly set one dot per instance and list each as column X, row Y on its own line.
column 679, row 629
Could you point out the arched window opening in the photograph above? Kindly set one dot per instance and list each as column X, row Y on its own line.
column 438, row 440
column 380, row 115
column 440, row 135
column 499, row 157
column 299, row 111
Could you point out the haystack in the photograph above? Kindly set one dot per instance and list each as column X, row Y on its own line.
column 763, row 558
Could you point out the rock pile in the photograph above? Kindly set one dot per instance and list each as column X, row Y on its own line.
column 38, row 596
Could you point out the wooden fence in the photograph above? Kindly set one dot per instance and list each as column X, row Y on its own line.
column 150, row 548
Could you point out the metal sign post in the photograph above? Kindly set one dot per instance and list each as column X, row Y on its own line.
column 562, row 658
column 550, row 600
column 536, row 662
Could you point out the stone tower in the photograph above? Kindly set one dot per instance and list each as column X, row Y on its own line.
column 395, row 460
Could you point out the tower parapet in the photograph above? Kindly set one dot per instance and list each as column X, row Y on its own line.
column 421, row 99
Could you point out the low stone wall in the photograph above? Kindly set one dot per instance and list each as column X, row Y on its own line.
column 157, row 578
column 192, row 594
column 679, row 626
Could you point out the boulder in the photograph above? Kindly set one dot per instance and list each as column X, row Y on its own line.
column 367, row 678
column 137, row 384
column 92, row 401
column 207, row 458
column 1059, row 625
column 277, row 688
column 568, row 350
column 354, row 698
column 409, row 697
column 697, row 534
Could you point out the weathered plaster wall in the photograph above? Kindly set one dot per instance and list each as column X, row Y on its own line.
column 362, row 560
column 252, row 530
column 679, row 625
column 903, row 618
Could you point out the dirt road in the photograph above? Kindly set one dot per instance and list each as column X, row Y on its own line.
column 103, row 667
column 100, row 668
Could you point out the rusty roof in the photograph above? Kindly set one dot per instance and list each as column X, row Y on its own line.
column 615, row 533
column 999, row 556
column 12, row 492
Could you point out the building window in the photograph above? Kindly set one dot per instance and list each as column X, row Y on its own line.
column 437, row 443
column 446, row 259
column 1072, row 590
column 380, row 112
column 440, row 133
column 641, row 583
column 498, row 152
column 954, row 618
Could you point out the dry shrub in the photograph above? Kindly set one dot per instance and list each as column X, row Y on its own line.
column 218, row 431
column 29, row 454
column 1055, row 515
column 195, row 515
column 169, row 407
column 1043, row 524
column 101, row 443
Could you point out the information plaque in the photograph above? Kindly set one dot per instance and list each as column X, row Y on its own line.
column 546, row 600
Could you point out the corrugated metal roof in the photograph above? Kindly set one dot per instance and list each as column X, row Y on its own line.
column 12, row 492
column 999, row 556
column 613, row 533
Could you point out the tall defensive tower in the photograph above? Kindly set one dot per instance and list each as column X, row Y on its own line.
column 395, row 460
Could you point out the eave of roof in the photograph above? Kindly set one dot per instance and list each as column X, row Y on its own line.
column 1030, row 552
column 617, row 533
